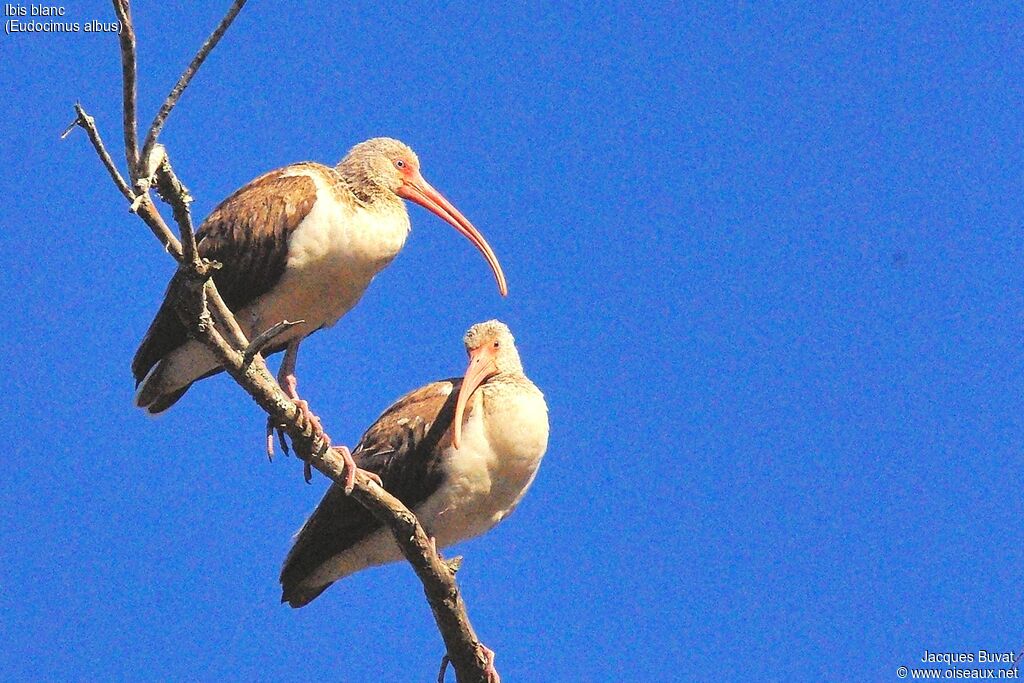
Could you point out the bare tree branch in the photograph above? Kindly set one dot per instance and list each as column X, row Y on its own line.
column 141, row 203
column 88, row 124
column 128, row 79
column 186, row 76
column 174, row 192
column 465, row 651
column 204, row 312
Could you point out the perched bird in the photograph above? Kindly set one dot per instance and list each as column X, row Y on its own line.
column 299, row 243
column 460, row 453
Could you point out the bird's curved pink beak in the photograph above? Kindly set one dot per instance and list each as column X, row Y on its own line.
column 418, row 190
column 481, row 366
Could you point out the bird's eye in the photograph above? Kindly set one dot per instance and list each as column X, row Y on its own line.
column 399, row 163
column 497, row 344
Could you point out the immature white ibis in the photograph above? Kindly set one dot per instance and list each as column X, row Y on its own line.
column 299, row 243
column 460, row 453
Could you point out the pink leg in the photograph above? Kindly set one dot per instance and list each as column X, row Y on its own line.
column 286, row 378
column 289, row 385
column 350, row 469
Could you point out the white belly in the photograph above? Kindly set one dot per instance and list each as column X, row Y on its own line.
column 333, row 256
column 484, row 481
column 490, row 474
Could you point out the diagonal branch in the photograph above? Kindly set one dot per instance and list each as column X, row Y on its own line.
column 201, row 308
column 141, row 203
column 174, row 192
column 186, row 76
column 88, row 124
column 471, row 660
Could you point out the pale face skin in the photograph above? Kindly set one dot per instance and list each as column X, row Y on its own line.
column 492, row 350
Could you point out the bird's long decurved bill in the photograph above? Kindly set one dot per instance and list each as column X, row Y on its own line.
column 420, row 191
column 481, row 366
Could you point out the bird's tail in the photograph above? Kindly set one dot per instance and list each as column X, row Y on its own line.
column 156, row 382
column 153, row 395
column 301, row 562
column 300, row 596
column 327, row 548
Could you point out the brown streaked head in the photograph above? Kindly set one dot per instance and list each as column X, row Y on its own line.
column 381, row 165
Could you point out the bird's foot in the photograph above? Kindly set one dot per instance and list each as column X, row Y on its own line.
column 318, row 433
column 311, row 419
column 316, row 429
column 374, row 478
column 271, row 428
column 350, row 470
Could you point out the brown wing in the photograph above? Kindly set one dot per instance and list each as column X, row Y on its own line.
column 248, row 234
column 402, row 447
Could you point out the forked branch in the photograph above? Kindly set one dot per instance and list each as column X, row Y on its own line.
column 209, row 320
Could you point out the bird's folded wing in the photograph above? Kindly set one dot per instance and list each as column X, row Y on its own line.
column 402, row 448
column 248, row 235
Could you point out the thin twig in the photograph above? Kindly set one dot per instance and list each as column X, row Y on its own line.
column 186, row 76
column 148, row 212
column 129, row 81
column 260, row 342
column 141, row 204
column 444, row 667
column 224, row 317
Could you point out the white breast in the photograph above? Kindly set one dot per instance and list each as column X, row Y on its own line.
column 484, row 480
column 333, row 256
column 487, row 477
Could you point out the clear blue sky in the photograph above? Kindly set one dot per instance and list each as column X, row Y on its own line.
column 764, row 263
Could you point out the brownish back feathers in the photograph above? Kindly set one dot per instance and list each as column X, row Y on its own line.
column 399, row 448
column 248, row 235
